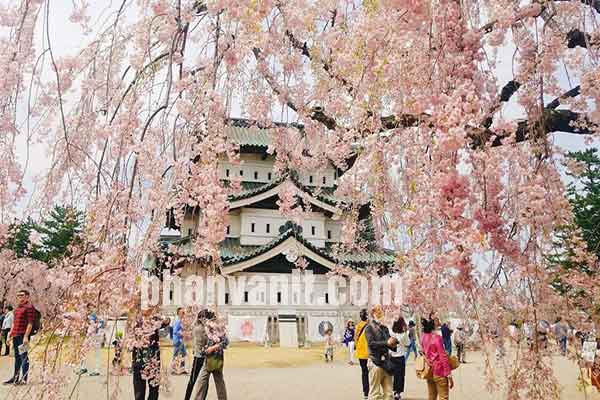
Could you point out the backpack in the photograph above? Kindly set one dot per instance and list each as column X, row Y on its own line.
column 37, row 322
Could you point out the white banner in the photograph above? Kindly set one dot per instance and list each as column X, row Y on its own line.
column 247, row 328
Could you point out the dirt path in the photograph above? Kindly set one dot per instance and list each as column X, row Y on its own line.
column 252, row 374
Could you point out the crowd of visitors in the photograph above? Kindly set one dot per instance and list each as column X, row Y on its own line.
column 381, row 345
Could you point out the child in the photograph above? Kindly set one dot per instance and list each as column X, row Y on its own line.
column 117, row 361
column 329, row 345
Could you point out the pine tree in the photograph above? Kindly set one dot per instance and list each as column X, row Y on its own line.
column 19, row 238
column 61, row 228
column 584, row 195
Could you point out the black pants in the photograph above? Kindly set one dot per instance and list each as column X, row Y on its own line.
column 365, row 376
column 5, row 340
column 399, row 373
column 139, row 386
column 196, row 367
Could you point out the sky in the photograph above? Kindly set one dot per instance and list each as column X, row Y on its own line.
column 66, row 37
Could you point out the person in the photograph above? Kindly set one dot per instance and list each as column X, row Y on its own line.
column 179, row 351
column 447, row 337
column 200, row 341
column 561, row 333
column 117, row 361
column 412, row 336
column 145, row 358
column 329, row 345
column 362, row 350
column 7, row 324
column 433, row 350
column 400, row 332
column 594, row 370
column 94, row 340
column 3, row 312
column 514, row 333
column 380, row 343
column 21, row 331
column 349, row 340
column 459, row 337
column 217, row 342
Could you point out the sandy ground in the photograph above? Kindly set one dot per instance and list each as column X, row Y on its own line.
column 256, row 373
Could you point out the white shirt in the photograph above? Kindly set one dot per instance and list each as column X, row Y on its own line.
column 403, row 343
column 8, row 320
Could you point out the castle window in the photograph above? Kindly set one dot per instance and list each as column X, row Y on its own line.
column 326, row 298
column 189, row 231
column 328, row 234
column 228, row 229
column 246, row 295
column 226, row 298
column 255, row 175
column 227, row 173
column 269, row 176
column 268, row 228
column 310, row 179
column 252, row 227
column 313, row 230
column 324, row 180
column 241, row 172
column 278, row 297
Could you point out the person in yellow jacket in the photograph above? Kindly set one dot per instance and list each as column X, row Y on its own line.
column 362, row 350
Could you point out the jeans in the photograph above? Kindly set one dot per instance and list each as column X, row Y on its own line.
column 196, row 368
column 412, row 346
column 21, row 360
column 365, row 376
column 562, row 342
column 399, row 374
column 179, row 350
column 140, row 384
column 448, row 346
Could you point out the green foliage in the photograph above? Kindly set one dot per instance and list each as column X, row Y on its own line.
column 61, row 228
column 19, row 238
column 584, row 195
column 57, row 231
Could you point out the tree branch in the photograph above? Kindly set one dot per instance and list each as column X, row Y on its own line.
column 570, row 93
column 553, row 121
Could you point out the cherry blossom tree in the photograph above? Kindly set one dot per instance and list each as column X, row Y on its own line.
column 134, row 121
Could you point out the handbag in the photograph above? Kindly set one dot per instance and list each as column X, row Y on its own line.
column 453, row 362
column 423, row 368
column 214, row 363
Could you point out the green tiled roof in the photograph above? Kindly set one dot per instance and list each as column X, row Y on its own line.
column 250, row 189
column 248, row 133
column 249, row 136
column 232, row 252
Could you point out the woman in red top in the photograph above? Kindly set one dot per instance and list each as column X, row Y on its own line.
column 433, row 349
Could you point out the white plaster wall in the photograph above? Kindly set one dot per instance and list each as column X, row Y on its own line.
column 235, row 224
column 261, row 218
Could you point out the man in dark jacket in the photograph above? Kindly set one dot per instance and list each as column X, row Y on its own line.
column 145, row 357
column 379, row 343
